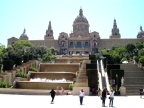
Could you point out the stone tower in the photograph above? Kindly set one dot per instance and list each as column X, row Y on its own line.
column 49, row 32
column 115, row 31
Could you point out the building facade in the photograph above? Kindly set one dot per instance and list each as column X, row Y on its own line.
column 80, row 41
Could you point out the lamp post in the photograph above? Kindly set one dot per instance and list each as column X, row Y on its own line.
column 117, row 84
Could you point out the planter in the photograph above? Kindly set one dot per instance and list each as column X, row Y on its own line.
column 18, row 79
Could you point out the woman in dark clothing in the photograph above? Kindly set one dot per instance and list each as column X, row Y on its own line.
column 53, row 94
column 104, row 96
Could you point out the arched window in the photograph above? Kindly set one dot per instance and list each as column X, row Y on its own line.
column 62, row 43
column 94, row 35
column 86, row 45
column 62, row 36
column 71, row 45
column 79, row 45
column 115, row 33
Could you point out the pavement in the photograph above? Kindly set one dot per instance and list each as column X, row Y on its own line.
column 66, row 101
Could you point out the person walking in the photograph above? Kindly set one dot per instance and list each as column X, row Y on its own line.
column 104, row 96
column 81, row 96
column 52, row 95
column 141, row 92
column 111, row 98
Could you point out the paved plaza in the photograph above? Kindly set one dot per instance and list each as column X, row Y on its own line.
column 66, row 101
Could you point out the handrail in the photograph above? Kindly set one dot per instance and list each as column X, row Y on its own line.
column 99, row 74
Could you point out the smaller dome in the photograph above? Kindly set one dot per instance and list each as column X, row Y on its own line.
column 24, row 36
column 141, row 32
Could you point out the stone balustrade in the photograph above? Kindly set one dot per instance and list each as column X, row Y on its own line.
column 9, row 75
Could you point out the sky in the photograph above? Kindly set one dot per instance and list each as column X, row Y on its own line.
column 34, row 16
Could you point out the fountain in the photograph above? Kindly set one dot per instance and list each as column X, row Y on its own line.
column 51, row 76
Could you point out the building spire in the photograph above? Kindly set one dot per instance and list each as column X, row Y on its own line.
column 115, row 24
column 140, row 27
column 24, row 31
column 49, row 27
column 81, row 12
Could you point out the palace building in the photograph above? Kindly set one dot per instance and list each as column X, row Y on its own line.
column 80, row 41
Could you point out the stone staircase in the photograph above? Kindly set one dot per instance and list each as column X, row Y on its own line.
column 81, row 80
column 133, row 78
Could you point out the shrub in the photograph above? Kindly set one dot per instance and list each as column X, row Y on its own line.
column 21, row 74
column 71, row 86
column 33, row 69
column 142, row 60
column 3, row 85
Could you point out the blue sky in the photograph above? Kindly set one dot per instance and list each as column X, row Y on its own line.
column 35, row 15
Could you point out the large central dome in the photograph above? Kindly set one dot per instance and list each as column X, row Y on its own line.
column 80, row 17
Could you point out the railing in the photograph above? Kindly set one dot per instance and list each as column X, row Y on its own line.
column 106, row 76
column 99, row 74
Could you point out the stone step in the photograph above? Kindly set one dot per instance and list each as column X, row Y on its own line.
column 130, row 94
column 133, row 74
column 81, row 80
column 82, row 77
column 126, row 71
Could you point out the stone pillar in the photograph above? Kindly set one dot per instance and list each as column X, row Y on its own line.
column 6, row 77
column 123, row 91
column 9, row 77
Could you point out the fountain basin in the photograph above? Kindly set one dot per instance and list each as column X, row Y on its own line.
column 54, row 75
column 59, row 67
column 41, row 85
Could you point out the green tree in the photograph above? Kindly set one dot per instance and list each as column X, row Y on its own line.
column 141, row 52
column 47, row 57
column 53, row 50
column 130, row 47
column 141, row 60
column 2, row 47
column 21, row 43
column 115, row 56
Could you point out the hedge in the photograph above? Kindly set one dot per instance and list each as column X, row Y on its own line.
column 110, row 62
column 25, row 58
column 7, row 65
column 91, row 66
column 112, row 66
column 18, row 61
column 92, row 78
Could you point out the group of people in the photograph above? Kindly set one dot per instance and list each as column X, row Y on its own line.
column 101, row 93
column 141, row 90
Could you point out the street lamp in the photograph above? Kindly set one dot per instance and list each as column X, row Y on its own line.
column 117, row 83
